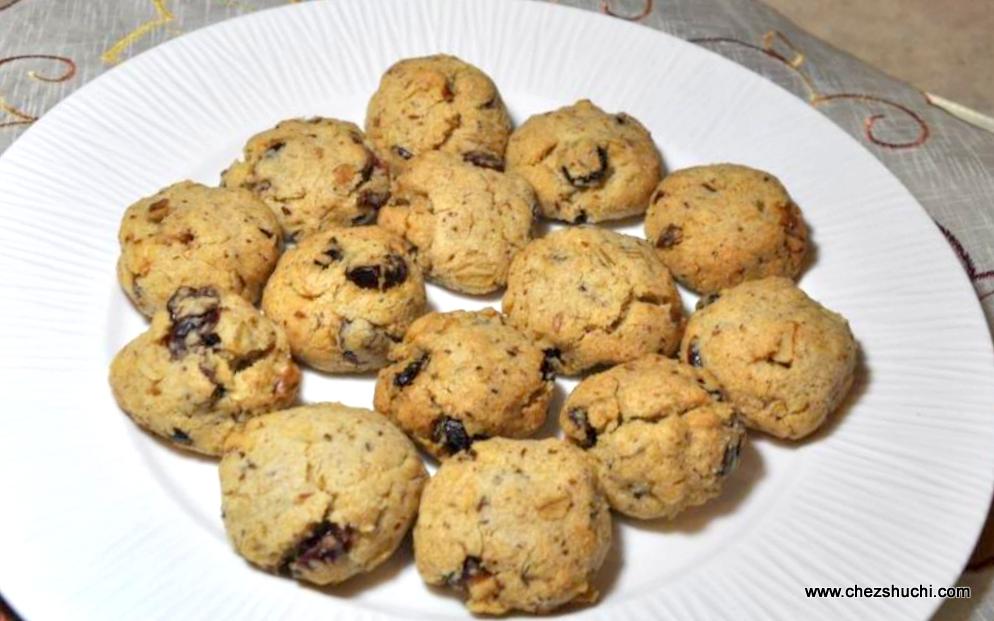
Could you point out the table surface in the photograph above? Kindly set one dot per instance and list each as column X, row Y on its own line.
column 49, row 48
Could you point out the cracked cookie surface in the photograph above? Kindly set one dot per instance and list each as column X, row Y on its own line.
column 320, row 492
column 716, row 226
column 463, row 376
column 344, row 296
column 598, row 297
column 660, row 435
column 188, row 234
column 313, row 173
column 586, row 165
column 208, row 362
column 785, row 361
column 466, row 222
column 438, row 103
column 514, row 525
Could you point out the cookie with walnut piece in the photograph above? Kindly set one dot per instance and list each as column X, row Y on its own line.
column 344, row 296
column 313, row 173
column 319, row 493
column 209, row 362
column 514, row 525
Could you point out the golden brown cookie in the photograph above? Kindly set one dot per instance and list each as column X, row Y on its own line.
column 466, row 222
column 598, row 297
column 344, row 295
column 195, row 236
column 716, row 226
column 784, row 361
column 463, row 376
column 313, row 173
column 320, row 493
column 586, row 165
column 514, row 525
column 438, row 103
column 660, row 434
column 209, row 362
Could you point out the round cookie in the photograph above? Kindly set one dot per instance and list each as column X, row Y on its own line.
column 191, row 235
column 466, row 222
column 586, row 165
column 598, row 297
column 785, row 362
column 209, row 362
column 320, row 493
column 660, row 435
column 514, row 525
column 716, row 226
column 463, row 376
column 344, row 295
column 313, row 174
column 438, row 103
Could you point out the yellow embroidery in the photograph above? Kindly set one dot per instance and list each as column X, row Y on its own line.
column 163, row 16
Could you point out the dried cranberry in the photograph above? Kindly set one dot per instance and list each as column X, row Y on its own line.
column 472, row 568
column 594, row 177
column 365, row 276
column 410, row 372
column 578, row 416
column 483, row 159
column 694, row 355
column 395, row 271
column 326, row 544
column 194, row 314
column 731, row 458
column 551, row 360
column 672, row 235
column 451, row 434
column 181, row 436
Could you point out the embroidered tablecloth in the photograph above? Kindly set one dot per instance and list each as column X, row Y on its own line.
column 49, row 48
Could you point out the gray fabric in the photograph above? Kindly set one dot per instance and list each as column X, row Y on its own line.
column 950, row 172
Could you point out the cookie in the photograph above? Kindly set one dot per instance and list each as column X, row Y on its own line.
column 514, row 525
column 598, row 297
column 319, row 493
column 466, row 222
column 586, row 165
column 438, row 103
column 463, row 376
column 716, row 226
column 313, row 174
column 785, row 361
column 191, row 235
column 660, row 434
column 344, row 295
column 208, row 362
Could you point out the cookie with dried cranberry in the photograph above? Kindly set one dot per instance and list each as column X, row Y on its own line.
column 785, row 361
column 320, row 493
column 313, row 173
column 586, row 165
column 514, row 525
column 344, row 296
column 196, row 236
column 466, row 222
column 464, row 376
column 716, row 226
column 596, row 296
column 661, row 436
column 209, row 362
column 438, row 103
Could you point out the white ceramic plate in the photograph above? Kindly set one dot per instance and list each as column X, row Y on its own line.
column 98, row 520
